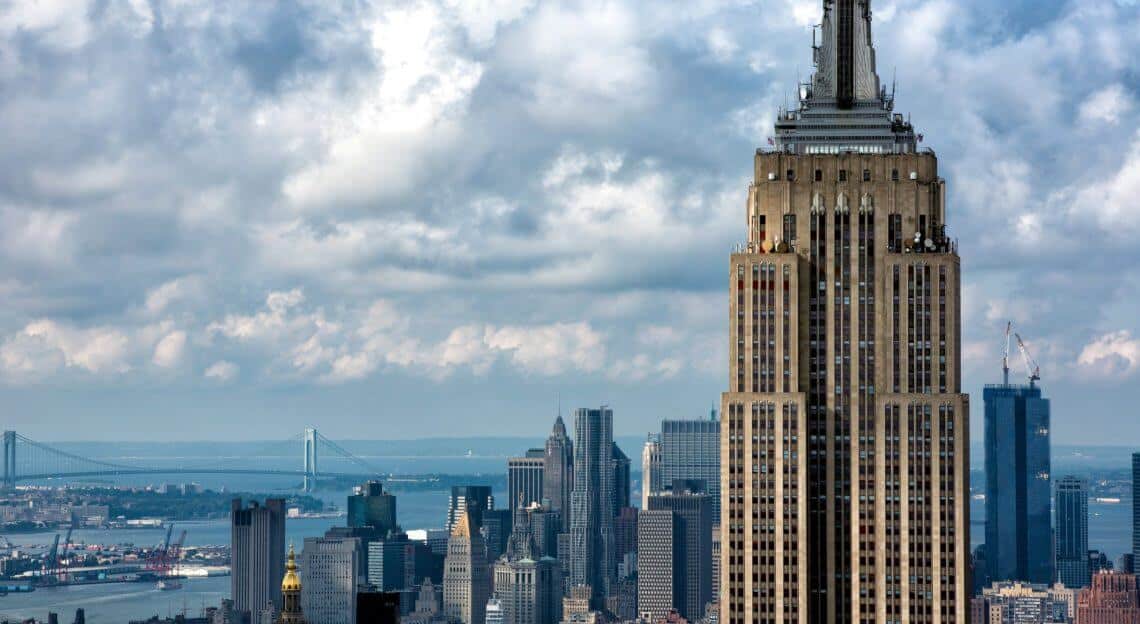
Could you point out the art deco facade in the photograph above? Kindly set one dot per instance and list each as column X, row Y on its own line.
column 558, row 471
column 844, row 442
column 466, row 573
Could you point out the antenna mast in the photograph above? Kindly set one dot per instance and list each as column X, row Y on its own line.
column 1005, row 355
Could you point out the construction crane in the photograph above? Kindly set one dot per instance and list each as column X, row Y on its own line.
column 1031, row 367
column 61, row 564
column 156, row 562
column 174, row 554
column 51, row 562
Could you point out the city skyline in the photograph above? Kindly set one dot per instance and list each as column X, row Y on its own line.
column 272, row 282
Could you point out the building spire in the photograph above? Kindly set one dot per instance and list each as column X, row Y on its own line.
column 845, row 55
column 844, row 108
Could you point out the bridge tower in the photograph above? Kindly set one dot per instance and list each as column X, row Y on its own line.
column 310, row 442
column 9, row 459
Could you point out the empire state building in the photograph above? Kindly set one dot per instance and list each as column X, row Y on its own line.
column 844, row 433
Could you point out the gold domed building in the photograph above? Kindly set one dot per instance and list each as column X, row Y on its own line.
column 291, row 592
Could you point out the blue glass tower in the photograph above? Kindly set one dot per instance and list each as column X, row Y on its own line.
column 1018, row 532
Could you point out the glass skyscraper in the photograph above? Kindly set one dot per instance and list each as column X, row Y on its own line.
column 690, row 449
column 592, row 558
column 1018, row 518
column 1135, row 507
column 1072, row 505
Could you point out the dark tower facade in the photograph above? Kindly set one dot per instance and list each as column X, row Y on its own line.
column 1018, row 513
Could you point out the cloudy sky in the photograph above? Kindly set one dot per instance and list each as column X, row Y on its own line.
column 428, row 218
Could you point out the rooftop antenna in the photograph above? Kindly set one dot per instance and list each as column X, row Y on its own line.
column 1005, row 355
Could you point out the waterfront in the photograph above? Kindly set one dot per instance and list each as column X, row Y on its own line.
column 118, row 603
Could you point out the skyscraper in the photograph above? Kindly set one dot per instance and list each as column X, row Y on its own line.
column 1113, row 598
column 466, row 575
column 370, row 506
column 524, row 479
column 558, row 471
column 1135, row 508
column 469, row 499
column 651, row 469
column 330, row 575
column 692, row 506
column 660, row 584
column 591, row 558
column 622, row 480
column 690, row 449
column 528, row 586
column 844, row 433
column 1018, row 518
column 257, row 554
column 1072, row 535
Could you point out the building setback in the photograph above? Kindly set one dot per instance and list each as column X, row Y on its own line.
column 844, row 432
column 1018, row 512
column 1072, row 536
column 257, row 538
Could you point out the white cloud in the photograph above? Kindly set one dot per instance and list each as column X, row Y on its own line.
column 1111, row 202
column 581, row 64
column 1115, row 354
column 222, row 371
column 170, row 350
column 44, row 347
column 264, row 323
column 482, row 18
column 1107, row 105
column 160, row 298
column 721, row 45
column 551, row 349
column 380, row 146
column 38, row 236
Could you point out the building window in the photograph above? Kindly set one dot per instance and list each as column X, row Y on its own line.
column 791, row 175
column 842, row 175
column 790, row 228
column 866, row 175
column 894, row 175
column 819, row 175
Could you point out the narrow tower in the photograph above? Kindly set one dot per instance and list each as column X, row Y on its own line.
column 291, row 592
column 844, row 442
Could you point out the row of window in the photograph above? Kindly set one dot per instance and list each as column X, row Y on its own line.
column 791, row 175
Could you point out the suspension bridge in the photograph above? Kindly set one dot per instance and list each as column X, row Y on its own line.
column 26, row 460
